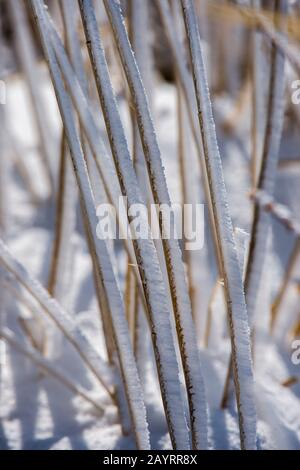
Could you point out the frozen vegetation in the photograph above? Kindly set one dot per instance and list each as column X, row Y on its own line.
column 141, row 343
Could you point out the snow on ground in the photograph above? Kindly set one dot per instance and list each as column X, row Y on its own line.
column 36, row 412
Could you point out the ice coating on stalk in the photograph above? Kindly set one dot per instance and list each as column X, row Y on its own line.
column 104, row 269
column 145, row 251
column 238, row 320
column 183, row 313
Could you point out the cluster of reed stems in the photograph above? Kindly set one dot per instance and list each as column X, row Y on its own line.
column 159, row 293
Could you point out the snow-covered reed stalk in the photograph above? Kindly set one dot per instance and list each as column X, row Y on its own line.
column 4, row 219
column 67, row 197
column 145, row 250
column 186, row 182
column 60, row 276
column 139, row 23
column 175, row 269
column 228, row 256
column 70, row 17
column 59, row 316
column 76, row 83
column 98, row 247
column 99, row 188
column 27, row 57
column 186, row 82
column 47, row 367
column 102, row 173
column 118, row 388
column 268, row 170
column 140, row 20
column 284, row 216
column 104, row 164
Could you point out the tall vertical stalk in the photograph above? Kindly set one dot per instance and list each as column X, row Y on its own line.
column 104, row 166
column 98, row 246
column 145, row 251
column 236, row 307
column 175, row 268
